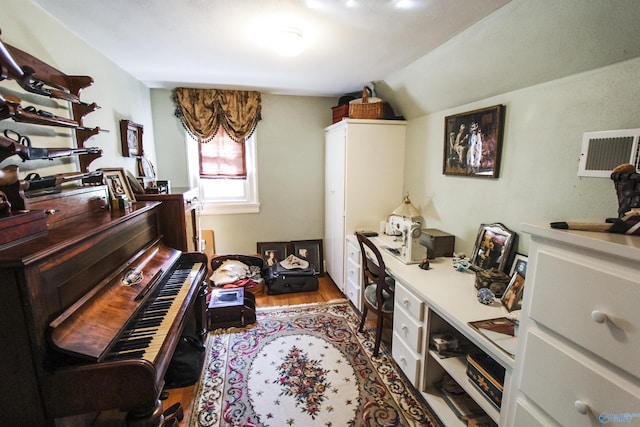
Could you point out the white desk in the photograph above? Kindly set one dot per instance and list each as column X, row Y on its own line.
column 450, row 302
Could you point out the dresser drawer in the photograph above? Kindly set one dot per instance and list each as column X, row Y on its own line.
column 527, row 416
column 353, row 272
column 564, row 382
column 353, row 252
column 409, row 302
column 353, row 290
column 409, row 329
column 408, row 361
column 595, row 307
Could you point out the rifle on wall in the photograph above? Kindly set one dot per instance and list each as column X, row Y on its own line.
column 10, row 108
column 34, row 182
column 21, row 146
column 25, row 77
column 14, row 188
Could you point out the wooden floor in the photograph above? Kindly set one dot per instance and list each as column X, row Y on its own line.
column 327, row 291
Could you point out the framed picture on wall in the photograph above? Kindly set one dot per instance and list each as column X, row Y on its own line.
column 131, row 138
column 273, row 252
column 473, row 143
column 311, row 250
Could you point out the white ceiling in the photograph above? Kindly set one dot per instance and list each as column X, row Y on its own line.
column 220, row 43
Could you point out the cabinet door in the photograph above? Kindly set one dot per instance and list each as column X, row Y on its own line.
column 334, row 204
column 374, row 173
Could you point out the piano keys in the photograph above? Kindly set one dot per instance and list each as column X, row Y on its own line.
column 71, row 325
column 145, row 334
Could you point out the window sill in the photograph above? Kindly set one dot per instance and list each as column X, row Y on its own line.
column 210, row 208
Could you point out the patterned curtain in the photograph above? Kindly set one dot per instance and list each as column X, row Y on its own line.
column 203, row 111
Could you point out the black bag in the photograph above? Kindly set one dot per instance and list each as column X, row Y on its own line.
column 185, row 367
column 283, row 281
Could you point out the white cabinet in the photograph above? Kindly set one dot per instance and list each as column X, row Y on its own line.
column 580, row 330
column 364, row 162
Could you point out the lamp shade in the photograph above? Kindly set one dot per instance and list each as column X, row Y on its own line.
column 406, row 209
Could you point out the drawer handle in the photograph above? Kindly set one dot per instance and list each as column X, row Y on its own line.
column 404, row 327
column 598, row 316
column 581, row 407
column 405, row 301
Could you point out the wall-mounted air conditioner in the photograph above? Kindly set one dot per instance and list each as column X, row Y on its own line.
column 603, row 151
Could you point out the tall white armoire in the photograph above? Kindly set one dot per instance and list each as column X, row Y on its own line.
column 364, row 164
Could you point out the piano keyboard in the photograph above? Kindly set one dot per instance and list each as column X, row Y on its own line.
column 144, row 336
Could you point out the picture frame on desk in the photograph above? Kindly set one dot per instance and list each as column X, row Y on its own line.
column 118, row 183
column 519, row 265
column 493, row 245
column 513, row 294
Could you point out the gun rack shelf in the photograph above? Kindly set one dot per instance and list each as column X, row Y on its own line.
column 39, row 78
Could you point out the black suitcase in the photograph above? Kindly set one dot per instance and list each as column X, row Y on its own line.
column 280, row 280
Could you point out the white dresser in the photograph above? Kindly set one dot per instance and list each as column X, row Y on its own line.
column 364, row 163
column 578, row 358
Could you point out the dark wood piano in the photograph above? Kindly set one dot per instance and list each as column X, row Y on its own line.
column 91, row 311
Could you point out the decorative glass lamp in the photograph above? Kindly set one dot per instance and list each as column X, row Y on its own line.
column 406, row 209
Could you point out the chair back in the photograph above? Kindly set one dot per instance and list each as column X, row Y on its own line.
column 374, row 270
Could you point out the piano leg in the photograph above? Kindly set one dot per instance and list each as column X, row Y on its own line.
column 152, row 417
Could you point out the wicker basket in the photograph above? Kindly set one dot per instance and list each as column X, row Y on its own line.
column 366, row 109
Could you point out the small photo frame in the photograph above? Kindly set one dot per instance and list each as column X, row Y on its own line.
column 164, row 186
column 513, row 294
column 118, row 184
column 473, row 143
column 131, row 138
column 310, row 250
column 519, row 265
column 273, row 252
column 493, row 247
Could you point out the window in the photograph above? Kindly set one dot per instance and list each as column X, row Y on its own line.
column 222, row 158
column 217, row 167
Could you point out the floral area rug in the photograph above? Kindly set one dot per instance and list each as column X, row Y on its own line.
column 303, row 366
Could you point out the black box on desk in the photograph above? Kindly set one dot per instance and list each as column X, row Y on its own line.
column 487, row 375
column 437, row 242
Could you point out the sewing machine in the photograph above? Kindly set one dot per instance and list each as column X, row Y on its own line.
column 407, row 232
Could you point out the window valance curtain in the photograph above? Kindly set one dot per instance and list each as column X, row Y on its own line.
column 203, row 111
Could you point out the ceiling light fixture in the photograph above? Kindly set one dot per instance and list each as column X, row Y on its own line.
column 288, row 41
column 404, row 4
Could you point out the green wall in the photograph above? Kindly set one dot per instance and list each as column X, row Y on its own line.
column 290, row 152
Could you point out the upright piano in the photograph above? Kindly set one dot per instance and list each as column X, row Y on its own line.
column 91, row 311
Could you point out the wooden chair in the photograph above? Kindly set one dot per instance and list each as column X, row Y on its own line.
column 378, row 287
